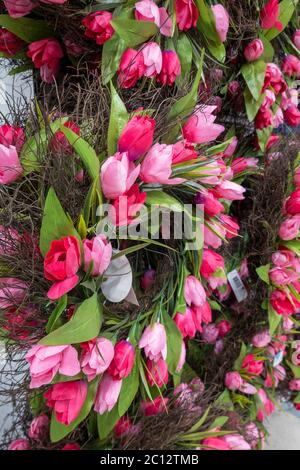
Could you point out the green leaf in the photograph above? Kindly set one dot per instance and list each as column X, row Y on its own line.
column 297, row 399
column 117, row 120
column 107, row 421
column 86, row 153
column 268, row 54
column 134, row 32
column 35, row 148
column 174, row 342
column 263, row 136
column 185, row 53
column 55, row 315
column 295, row 369
column 26, row 28
column 218, row 51
column 293, row 245
column 263, row 273
column 91, row 203
column 286, row 10
column 252, row 105
column 274, row 319
column 163, row 199
column 58, row 430
column 184, row 106
column 55, row 223
column 129, row 389
column 201, row 421
column 207, row 27
column 111, row 54
column 254, row 75
column 83, row 326
column 238, row 362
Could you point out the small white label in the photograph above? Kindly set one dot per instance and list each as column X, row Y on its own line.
column 278, row 359
column 237, row 285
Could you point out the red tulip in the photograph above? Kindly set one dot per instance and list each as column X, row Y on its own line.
column 122, row 363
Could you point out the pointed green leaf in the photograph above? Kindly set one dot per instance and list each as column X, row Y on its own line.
column 174, row 342
column 55, row 315
column 263, row 273
column 117, row 120
column 134, row 32
column 28, row 29
column 254, row 75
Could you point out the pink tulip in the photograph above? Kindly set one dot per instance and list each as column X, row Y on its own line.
column 72, row 47
column 278, row 119
column 18, row 8
column 137, row 136
column 274, row 79
column 230, row 148
column 296, row 358
column 59, row 142
column 292, row 205
column 212, row 206
column 183, row 151
column 152, row 59
column 157, row 373
column 289, row 98
column 200, row 127
column 10, row 166
column 292, row 116
column 211, row 262
column 154, row 342
column 10, row 135
column 264, row 119
column 230, row 191
column 39, row 427
column 125, row 208
column 201, row 315
column 147, row 10
column 269, row 16
column 283, row 277
column 291, row 66
column 296, row 39
column 61, row 265
column 233, row 381
column 223, row 328
column 71, row 446
column 171, row 68
column 269, row 100
column 118, row 174
column 155, row 407
column 12, row 292
column 157, row 165
column 252, row 365
column 266, row 407
column 254, row 50
column 244, row 271
column 294, row 385
column 96, row 357
column 289, row 228
column 67, row 399
column 222, row 21
column 181, row 361
column 46, row 55
column 210, row 333
column 213, row 235
column 230, row 225
column 297, row 177
column 194, row 292
column 282, row 303
column 107, row 394
column 46, row 361
column 236, row 442
column 261, row 340
column 10, row 44
column 98, row 26
column 131, row 69
column 19, row 444
column 148, row 279
column 186, row 14
column 252, row 434
column 123, row 360
column 185, row 323
column 97, row 253
column 242, row 164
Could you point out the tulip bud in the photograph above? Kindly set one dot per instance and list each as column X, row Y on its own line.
column 254, row 50
column 122, row 363
column 233, row 381
column 148, row 279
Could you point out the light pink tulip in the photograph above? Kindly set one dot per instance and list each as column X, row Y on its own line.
column 182, row 357
column 165, row 22
column 290, row 227
column 38, row 427
column 97, row 251
column 107, row 394
column 222, row 21
column 157, row 165
column 152, row 59
column 19, row 444
column 10, row 166
column 269, row 100
column 233, row 380
column 194, row 292
column 46, row 361
column 118, row 175
column 294, row 385
column 289, row 98
column 236, row 442
column 230, row 190
column 147, row 10
column 231, row 148
column 248, row 388
column 200, row 127
column 261, row 340
column 96, row 357
column 154, row 342
column 296, row 39
column 254, row 50
column 213, row 235
column 18, row 8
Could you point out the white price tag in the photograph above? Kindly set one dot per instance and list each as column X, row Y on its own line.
column 278, row 359
column 237, row 285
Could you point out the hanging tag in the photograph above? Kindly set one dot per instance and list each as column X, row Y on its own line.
column 237, row 285
column 278, row 359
